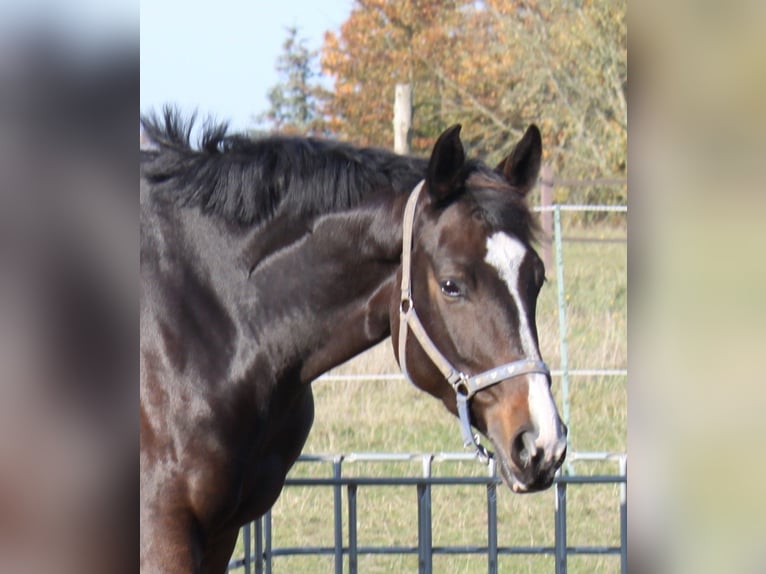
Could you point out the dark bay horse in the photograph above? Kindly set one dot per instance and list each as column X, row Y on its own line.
column 264, row 263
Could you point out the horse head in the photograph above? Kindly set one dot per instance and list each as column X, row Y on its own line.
column 464, row 320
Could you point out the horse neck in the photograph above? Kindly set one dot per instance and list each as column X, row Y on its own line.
column 323, row 295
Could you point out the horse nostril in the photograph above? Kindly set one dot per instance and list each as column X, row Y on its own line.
column 523, row 449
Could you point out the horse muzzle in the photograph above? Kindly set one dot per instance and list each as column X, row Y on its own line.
column 528, row 463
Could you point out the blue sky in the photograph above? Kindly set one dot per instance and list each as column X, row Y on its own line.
column 218, row 56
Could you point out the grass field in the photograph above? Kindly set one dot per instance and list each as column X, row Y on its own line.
column 392, row 416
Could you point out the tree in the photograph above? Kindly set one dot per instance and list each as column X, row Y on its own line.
column 570, row 63
column 380, row 45
column 294, row 101
column 493, row 65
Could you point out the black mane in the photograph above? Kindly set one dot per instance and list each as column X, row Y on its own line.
column 249, row 180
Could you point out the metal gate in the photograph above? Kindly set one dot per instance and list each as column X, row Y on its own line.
column 260, row 552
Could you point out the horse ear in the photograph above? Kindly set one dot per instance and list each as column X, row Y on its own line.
column 447, row 159
column 522, row 166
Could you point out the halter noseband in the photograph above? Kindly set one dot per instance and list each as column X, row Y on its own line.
column 465, row 386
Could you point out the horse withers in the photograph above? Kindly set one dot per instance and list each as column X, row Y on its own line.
column 265, row 263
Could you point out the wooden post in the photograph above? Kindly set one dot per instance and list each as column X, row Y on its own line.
column 402, row 118
column 546, row 216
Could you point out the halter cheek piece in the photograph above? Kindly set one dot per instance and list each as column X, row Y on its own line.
column 465, row 386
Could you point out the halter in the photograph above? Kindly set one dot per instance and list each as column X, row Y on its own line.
column 465, row 386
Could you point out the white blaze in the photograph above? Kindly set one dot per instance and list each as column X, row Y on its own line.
column 506, row 254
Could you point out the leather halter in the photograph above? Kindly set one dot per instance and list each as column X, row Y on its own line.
column 465, row 386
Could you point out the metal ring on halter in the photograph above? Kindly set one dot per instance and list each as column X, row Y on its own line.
column 405, row 305
column 462, row 387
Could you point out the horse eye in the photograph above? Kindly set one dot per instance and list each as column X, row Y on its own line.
column 450, row 288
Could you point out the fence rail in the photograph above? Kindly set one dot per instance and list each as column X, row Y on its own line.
column 261, row 558
column 400, row 377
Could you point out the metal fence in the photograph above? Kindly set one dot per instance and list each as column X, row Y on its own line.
column 260, row 551
column 259, row 548
column 564, row 369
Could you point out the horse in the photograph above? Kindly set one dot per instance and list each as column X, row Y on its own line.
column 266, row 262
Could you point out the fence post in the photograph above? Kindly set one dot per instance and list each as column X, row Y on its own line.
column 402, row 118
column 425, row 546
column 259, row 546
column 546, row 217
column 247, row 536
column 624, row 517
column 562, row 327
column 338, row 514
column 267, row 542
column 492, row 520
column 560, row 528
column 352, row 540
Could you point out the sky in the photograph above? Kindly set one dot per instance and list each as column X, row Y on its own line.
column 218, row 57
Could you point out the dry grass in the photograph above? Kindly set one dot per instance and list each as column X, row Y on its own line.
column 392, row 416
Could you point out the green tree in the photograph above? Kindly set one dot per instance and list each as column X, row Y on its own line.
column 294, row 101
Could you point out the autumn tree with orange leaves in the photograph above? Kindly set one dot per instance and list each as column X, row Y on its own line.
column 494, row 66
